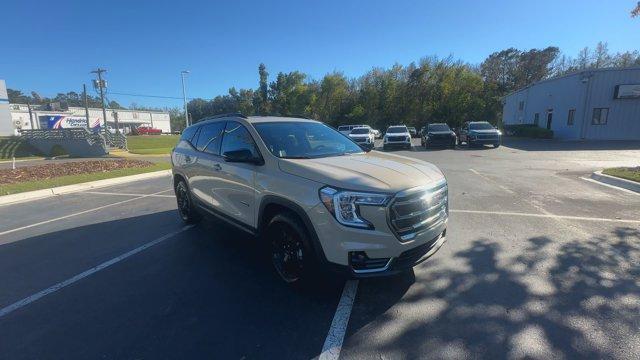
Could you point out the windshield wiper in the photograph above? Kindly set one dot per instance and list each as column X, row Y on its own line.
column 296, row 157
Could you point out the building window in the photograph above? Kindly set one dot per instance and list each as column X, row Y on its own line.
column 536, row 118
column 600, row 116
column 521, row 105
column 571, row 116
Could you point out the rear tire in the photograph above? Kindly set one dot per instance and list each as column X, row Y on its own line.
column 290, row 248
column 186, row 208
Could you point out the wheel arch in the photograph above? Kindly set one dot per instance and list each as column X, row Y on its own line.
column 270, row 205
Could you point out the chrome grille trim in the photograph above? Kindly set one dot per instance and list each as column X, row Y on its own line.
column 427, row 205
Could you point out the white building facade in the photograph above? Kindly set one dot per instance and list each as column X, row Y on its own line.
column 21, row 118
column 602, row 104
column 6, row 127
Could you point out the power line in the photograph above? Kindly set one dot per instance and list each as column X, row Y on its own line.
column 153, row 96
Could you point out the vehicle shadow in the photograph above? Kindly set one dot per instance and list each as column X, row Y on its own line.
column 579, row 299
column 557, row 145
column 208, row 292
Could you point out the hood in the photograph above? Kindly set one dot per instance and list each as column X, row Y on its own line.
column 492, row 131
column 372, row 171
column 441, row 132
column 359, row 135
column 398, row 134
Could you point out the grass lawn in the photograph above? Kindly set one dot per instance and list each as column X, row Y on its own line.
column 632, row 174
column 151, row 144
column 77, row 179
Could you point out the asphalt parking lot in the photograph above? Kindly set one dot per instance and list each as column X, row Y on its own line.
column 539, row 263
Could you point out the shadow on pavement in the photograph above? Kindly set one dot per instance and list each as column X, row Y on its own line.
column 575, row 300
column 557, row 145
column 209, row 292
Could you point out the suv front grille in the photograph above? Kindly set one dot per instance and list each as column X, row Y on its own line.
column 418, row 210
column 397, row 138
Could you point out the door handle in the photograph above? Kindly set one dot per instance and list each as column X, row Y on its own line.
column 217, row 167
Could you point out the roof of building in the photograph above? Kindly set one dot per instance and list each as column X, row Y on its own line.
column 579, row 72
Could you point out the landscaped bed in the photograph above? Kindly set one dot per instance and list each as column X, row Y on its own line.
column 629, row 173
column 30, row 178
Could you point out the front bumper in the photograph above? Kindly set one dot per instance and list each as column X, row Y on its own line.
column 485, row 141
column 389, row 256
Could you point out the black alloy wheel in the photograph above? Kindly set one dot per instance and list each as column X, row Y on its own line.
column 288, row 250
column 185, row 206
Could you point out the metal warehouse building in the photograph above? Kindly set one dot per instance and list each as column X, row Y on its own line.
column 599, row 104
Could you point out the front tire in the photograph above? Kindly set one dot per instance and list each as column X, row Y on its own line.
column 291, row 252
column 186, row 209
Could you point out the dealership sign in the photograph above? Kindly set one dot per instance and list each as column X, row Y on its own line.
column 629, row 91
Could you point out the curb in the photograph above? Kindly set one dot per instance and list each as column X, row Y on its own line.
column 67, row 189
column 616, row 181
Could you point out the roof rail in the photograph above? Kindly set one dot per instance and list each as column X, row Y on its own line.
column 224, row 115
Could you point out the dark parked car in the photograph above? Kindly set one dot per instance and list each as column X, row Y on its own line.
column 438, row 134
column 476, row 133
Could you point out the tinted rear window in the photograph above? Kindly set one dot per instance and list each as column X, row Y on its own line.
column 439, row 127
column 187, row 134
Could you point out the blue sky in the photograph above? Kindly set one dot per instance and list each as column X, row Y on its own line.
column 50, row 47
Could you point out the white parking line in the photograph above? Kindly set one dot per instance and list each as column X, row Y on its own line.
column 125, row 194
column 549, row 216
column 506, row 189
column 335, row 337
column 80, row 213
column 28, row 300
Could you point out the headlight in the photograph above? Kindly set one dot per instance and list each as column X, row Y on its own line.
column 345, row 205
column 408, row 138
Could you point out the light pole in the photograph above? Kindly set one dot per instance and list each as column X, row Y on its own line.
column 183, row 73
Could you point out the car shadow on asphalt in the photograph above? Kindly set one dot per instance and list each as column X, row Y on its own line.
column 586, row 304
column 209, row 291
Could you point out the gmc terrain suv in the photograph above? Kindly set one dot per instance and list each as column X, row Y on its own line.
column 312, row 194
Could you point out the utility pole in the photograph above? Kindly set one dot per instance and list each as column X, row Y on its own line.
column 101, row 84
column 183, row 73
column 30, row 116
column 86, row 105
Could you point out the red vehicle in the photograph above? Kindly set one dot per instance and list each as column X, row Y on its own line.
column 146, row 130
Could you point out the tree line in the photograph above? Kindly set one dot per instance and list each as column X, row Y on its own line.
column 431, row 90
column 70, row 98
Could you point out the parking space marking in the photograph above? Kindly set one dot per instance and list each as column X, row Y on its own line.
column 80, row 213
column 28, row 300
column 492, row 181
column 610, row 186
column 335, row 337
column 548, row 215
column 125, row 194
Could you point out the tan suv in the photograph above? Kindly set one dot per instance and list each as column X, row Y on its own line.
column 316, row 197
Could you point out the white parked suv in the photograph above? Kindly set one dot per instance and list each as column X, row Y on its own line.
column 363, row 136
column 313, row 195
column 397, row 136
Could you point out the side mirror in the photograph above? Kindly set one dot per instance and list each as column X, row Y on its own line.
column 366, row 148
column 241, row 156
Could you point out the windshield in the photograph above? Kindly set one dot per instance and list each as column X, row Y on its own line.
column 304, row 140
column 360, row 131
column 480, row 126
column 343, row 128
column 397, row 129
column 439, row 127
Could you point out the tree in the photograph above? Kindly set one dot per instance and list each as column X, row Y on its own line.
column 636, row 12
column 261, row 98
